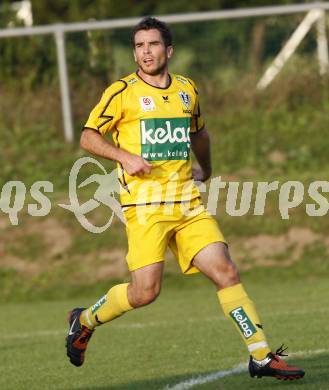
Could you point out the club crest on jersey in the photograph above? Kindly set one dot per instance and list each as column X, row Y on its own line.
column 147, row 103
column 185, row 98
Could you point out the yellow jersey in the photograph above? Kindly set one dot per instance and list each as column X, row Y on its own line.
column 154, row 123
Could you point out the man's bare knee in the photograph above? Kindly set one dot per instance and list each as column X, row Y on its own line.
column 226, row 274
column 215, row 262
column 145, row 285
column 144, row 296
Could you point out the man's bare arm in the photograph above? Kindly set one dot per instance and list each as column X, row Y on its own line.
column 200, row 144
column 94, row 143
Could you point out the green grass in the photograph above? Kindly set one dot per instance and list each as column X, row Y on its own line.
column 182, row 335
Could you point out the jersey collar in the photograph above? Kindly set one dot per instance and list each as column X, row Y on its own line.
column 168, row 86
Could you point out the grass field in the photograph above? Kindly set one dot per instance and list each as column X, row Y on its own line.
column 182, row 336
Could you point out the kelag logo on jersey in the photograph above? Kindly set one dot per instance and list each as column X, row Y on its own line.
column 165, row 138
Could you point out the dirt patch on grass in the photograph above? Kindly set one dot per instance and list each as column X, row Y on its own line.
column 44, row 247
column 100, row 265
column 4, row 223
column 55, row 236
column 277, row 157
column 33, row 247
column 280, row 251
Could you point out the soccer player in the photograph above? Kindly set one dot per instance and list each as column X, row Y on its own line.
column 155, row 119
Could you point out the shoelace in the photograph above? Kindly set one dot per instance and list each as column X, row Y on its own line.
column 279, row 352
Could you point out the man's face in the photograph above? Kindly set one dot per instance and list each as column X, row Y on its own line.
column 150, row 52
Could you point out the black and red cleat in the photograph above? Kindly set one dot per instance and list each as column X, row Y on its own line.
column 274, row 366
column 77, row 338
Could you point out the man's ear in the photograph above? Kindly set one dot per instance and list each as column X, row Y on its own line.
column 134, row 56
column 170, row 51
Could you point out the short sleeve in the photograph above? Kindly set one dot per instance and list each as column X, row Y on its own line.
column 108, row 111
column 197, row 123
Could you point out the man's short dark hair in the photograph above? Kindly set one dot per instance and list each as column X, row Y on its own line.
column 150, row 23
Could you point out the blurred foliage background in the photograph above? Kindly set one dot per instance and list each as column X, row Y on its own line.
column 226, row 59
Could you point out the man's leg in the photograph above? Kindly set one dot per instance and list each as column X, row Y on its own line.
column 143, row 289
column 214, row 261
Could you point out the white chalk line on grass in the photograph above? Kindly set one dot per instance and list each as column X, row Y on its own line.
column 307, row 353
column 203, row 379
column 239, row 369
column 152, row 324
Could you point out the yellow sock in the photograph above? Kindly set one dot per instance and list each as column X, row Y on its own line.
column 241, row 310
column 110, row 306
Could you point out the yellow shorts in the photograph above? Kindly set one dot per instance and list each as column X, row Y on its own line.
column 185, row 228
